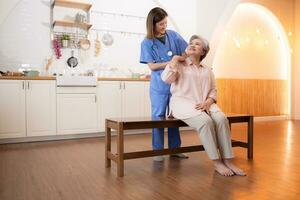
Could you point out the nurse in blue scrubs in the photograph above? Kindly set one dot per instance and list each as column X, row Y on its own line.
column 157, row 49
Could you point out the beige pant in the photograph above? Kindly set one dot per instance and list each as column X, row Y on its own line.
column 214, row 134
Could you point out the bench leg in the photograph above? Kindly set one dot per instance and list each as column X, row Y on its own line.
column 107, row 145
column 250, row 137
column 120, row 150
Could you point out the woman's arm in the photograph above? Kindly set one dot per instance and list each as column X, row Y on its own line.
column 212, row 96
column 170, row 74
column 213, row 89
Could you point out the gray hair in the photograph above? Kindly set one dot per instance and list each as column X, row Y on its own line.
column 205, row 46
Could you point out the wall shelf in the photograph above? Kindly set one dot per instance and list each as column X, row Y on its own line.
column 72, row 24
column 72, row 4
column 81, row 22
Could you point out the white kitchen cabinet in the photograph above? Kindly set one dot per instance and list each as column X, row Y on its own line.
column 30, row 104
column 12, row 109
column 121, row 99
column 41, row 107
column 110, row 101
column 133, row 99
column 77, row 113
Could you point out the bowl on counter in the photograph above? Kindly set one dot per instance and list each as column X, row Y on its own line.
column 31, row 73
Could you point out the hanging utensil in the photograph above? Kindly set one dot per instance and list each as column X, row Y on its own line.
column 72, row 61
column 107, row 39
column 97, row 46
column 85, row 44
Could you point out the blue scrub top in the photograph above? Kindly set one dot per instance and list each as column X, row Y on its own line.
column 154, row 51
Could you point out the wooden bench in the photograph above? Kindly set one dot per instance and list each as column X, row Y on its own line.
column 121, row 124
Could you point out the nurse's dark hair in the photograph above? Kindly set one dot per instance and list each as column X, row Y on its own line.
column 205, row 45
column 155, row 15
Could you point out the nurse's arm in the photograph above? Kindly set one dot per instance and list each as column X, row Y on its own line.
column 157, row 66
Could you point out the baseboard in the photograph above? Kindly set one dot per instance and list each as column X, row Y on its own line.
column 295, row 117
column 271, row 118
column 76, row 136
column 49, row 138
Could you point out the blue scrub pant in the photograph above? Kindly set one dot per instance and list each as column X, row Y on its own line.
column 159, row 105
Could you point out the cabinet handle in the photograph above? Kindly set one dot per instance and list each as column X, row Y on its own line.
column 95, row 98
column 120, row 86
column 23, row 85
column 124, row 86
column 28, row 85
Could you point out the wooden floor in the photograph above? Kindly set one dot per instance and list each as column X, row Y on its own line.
column 74, row 170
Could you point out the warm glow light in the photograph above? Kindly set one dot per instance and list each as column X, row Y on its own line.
column 254, row 49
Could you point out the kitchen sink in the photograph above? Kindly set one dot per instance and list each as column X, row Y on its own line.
column 76, row 81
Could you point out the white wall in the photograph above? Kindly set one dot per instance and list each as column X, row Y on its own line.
column 213, row 14
column 212, row 19
column 25, row 32
column 296, row 74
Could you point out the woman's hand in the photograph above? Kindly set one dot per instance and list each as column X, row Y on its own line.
column 205, row 106
column 176, row 59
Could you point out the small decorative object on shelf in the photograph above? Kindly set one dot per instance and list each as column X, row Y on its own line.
column 65, row 40
column 56, row 47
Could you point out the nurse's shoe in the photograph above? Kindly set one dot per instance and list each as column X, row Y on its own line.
column 179, row 155
column 158, row 158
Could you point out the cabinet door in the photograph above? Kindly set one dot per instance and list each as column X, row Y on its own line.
column 147, row 102
column 12, row 109
column 41, row 107
column 133, row 99
column 76, row 113
column 110, row 93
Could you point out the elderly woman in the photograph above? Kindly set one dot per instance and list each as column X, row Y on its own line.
column 193, row 101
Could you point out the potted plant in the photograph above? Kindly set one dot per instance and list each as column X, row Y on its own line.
column 65, row 40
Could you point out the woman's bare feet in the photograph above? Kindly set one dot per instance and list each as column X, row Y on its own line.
column 222, row 169
column 235, row 169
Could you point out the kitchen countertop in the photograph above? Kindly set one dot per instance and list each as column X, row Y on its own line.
column 54, row 78
column 28, row 77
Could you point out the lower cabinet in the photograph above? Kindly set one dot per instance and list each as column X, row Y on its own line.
column 77, row 113
column 39, row 108
column 27, row 108
column 122, row 99
column 13, row 109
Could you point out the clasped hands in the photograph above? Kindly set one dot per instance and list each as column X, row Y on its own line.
column 205, row 105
